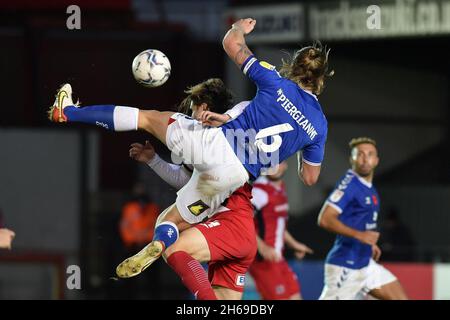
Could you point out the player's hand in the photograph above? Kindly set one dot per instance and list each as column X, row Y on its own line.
column 212, row 119
column 142, row 153
column 368, row 237
column 6, row 237
column 245, row 25
column 376, row 252
column 269, row 253
column 301, row 249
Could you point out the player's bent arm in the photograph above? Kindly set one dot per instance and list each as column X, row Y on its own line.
column 267, row 252
column 289, row 239
column 175, row 175
column 307, row 172
column 296, row 245
column 234, row 42
column 328, row 220
column 259, row 243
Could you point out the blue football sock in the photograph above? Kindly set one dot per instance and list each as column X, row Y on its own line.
column 110, row 117
column 167, row 233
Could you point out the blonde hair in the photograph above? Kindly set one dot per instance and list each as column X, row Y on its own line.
column 360, row 140
column 309, row 67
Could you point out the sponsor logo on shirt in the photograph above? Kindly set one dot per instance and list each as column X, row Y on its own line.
column 282, row 207
column 211, row 224
column 198, row 207
column 371, row 226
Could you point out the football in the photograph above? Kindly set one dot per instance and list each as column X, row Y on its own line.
column 151, row 68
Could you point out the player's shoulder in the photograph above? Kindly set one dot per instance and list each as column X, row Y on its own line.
column 347, row 182
column 254, row 63
column 313, row 102
column 261, row 182
column 345, row 188
column 267, row 65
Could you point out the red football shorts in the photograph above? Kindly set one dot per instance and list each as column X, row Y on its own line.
column 231, row 239
column 274, row 280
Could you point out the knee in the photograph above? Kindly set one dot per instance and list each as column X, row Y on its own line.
column 177, row 246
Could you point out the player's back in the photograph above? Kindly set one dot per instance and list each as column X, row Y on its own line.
column 280, row 120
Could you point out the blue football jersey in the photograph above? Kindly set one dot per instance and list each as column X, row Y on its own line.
column 358, row 203
column 280, row 120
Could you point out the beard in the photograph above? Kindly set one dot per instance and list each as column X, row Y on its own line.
column 364, row 173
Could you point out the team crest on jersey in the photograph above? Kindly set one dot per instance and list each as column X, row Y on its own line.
column 198, row 207
column 336, row 195
column 267, row 65
column 240, row 280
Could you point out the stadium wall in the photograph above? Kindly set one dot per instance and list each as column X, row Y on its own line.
column 421, row 281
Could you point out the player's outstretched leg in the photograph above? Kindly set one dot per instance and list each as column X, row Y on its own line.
column 110, row 117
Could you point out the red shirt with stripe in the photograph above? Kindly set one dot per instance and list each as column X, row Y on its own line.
column 271, row 211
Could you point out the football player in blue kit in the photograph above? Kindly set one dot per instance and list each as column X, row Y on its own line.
column 283, row 118
column 351, row 211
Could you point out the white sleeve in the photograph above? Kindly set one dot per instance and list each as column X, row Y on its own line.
column 175, row 175
column 237, row 110
column 260, row 198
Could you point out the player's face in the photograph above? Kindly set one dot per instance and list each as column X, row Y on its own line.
column 281, row 169
column 364, row 159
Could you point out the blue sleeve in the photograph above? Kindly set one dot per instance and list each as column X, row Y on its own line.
column 313, row 154
column 263, row 74
column 340, row 198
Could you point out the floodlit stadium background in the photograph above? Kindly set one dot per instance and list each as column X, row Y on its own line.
column 61, row 189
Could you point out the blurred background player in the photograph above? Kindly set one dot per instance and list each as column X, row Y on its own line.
column 6, row 238
column 284, row 108
column 6, row 235
column 136, row 226
column 227, row 241
column 351, row 211
column 273, row 277
column 138, row 218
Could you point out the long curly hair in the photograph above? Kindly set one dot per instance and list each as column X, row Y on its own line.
column 309, row 67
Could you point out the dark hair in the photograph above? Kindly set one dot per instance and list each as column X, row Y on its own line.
column 309, row 67
column 212, row 92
